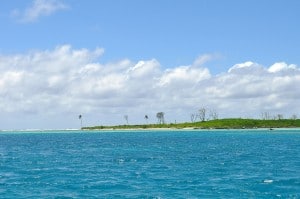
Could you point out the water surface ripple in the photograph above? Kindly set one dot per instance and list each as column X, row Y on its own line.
column 180, row 164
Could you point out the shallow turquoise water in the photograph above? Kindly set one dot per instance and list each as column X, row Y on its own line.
column 180, row 164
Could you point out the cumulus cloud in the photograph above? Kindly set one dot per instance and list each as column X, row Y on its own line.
column 246, row 68
column 37, row 9
column 64, row 82
column 282, row 67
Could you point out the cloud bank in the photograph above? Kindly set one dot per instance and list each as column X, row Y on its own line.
column 61, row 83
column 38, row 9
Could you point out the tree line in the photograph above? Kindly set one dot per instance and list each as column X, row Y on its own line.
column 203, row 114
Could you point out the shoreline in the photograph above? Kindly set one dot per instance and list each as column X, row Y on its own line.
column 192, row 129
column 210, row 125
column 152, row 130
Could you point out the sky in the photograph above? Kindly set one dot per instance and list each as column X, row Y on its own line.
column 104, row 59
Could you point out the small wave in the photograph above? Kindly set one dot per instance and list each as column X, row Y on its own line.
column 267, row 181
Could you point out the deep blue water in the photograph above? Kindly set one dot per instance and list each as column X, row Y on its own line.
column 180, row 164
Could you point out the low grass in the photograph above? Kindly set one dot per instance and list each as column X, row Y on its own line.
column 230, row 123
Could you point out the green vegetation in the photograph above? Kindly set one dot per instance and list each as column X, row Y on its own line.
column 213, row 124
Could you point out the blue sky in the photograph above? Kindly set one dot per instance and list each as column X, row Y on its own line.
column 168, row 34
column 174, row 32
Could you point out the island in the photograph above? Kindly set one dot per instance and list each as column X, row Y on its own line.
column 228, row 123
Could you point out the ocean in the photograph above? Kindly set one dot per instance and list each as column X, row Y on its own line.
column 150, row 164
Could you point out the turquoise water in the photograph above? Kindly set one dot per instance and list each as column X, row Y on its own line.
column 180, row 164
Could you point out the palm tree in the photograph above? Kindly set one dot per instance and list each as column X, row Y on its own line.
column 126, row 118
column 80, row 117
column 146, row 118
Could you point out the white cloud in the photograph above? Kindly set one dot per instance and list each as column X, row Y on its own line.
column 202, row 59
column 143, row 69
column 64, row 82
column 37, row 9
column 246, row 68
column 184, row 75
column 282, row 67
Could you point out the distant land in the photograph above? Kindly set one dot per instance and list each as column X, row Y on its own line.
column 230, row 123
